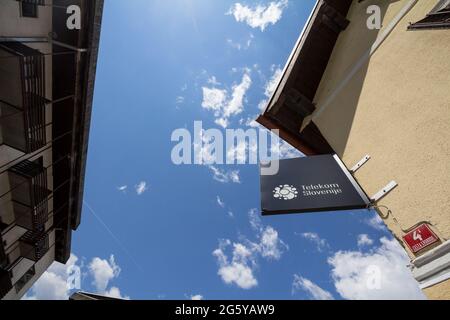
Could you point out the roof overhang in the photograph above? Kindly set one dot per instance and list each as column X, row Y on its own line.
column 87, row 296
column 73, row 75
column 86, row 95
column 293, row 99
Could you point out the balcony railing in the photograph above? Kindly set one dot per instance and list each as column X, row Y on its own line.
column 22, row 97
column 29, row 194
column 17, row 274
column 34, row 244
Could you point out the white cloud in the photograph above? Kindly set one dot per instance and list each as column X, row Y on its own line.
column 233, row 44
column 240, row 269
column 114, row 292
column 103, row 271
column 179, row 100
column 260, row 16
column 271, row 85
column 236, row 104
column 213, row 99
column 313, row 290
column 255, row 220
column 376, row 222
column 197, row 297
column 213, row 81
column 270, row 245
column 250, row 122
column 57, row 283
column 320, row 243
column 379, row 274
column 364, row 240
column 122, row 188
column 238, row 273
column 223, row 122
column 223, row 104
column 244, row 45
column 53, row 284
column 205, row 152
column 141, row 187
column 238, row 152
column 220, row 202
column 225, row 176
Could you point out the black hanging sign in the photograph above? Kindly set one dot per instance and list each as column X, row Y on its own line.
column 310, row 184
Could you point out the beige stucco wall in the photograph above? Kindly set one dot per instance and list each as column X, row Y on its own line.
column 439, row 291
column 396, row 108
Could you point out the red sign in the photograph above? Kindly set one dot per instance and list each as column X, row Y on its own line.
column 420, row 238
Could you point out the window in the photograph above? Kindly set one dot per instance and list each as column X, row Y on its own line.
column 438, row 18
column 29, row 9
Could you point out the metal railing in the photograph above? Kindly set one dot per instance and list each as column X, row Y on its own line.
column 30, row 200
column 23, row 127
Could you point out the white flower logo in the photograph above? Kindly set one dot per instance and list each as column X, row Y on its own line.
column 285, row 192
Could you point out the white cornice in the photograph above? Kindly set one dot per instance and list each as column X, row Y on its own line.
column 433, row 267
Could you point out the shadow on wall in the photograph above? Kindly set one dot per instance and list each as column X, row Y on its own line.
column 344, row 78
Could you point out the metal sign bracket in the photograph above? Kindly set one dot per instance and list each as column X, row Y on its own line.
column 383, row 192
column 359, row 164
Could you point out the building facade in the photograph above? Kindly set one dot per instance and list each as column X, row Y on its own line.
column 48, row 54
column 355, row 89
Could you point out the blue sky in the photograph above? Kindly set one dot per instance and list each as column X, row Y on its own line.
column 154, row 230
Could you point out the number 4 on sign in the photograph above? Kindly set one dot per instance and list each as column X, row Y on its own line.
column 417, row 235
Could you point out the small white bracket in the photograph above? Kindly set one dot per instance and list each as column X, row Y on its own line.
column 359, row 164
column 383, row 192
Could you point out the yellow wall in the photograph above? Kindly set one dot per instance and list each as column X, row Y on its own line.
column 396, row 108
column 439, row 291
